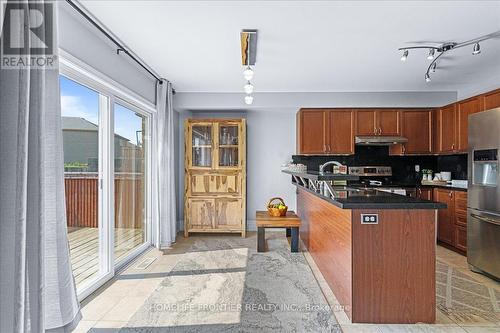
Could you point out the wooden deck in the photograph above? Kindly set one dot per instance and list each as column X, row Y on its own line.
column 84, row 249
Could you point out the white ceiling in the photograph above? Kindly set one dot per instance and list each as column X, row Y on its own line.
column 307, row 46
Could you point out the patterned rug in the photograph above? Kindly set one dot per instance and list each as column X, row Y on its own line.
column 224, row 285
column 463, row 299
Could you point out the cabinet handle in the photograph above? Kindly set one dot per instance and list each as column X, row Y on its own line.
column 450, row 194
column 324, row 148
column 404, row 149
column 329, row 148
column 380, row 131
column 453, row 146
column 375, row 131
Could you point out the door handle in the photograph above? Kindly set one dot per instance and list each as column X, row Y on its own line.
column 485, row 219
column 380, row 131
column 324, row 148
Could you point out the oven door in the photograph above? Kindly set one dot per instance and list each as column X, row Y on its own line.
column 483, row 245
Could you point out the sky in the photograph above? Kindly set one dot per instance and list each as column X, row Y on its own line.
column 80, row 101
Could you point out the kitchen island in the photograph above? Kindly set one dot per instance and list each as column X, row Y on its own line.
column 376, row 250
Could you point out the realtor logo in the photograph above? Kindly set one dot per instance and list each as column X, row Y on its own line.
column 27, row 37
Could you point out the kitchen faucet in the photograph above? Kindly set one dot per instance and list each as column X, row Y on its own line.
column 322, row 166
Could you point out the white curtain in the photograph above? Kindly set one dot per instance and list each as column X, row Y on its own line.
column 164, row 181
column 37, row 290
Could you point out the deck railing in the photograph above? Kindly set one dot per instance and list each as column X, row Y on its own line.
column 81, row 190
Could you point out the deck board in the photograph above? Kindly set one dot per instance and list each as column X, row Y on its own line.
column 84, row 249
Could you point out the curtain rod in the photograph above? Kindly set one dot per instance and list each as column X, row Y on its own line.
column 120, row 47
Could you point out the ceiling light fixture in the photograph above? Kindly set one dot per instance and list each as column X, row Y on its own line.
column 248, row 99
column 476, row 49
column 431, row 54
column 442, row 48
column 248, row 73
column 404, row 56
column 248, row 40
column 248, row 88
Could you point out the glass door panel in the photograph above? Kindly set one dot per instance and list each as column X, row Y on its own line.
column 130, row 132
column 81, row 131
column 202, row 145
column 228, row 146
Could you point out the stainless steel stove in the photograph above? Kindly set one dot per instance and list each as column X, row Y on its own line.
column 377, row 178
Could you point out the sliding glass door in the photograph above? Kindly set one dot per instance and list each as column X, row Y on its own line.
column 106, row 160
column 80, row 110
column 130, row 139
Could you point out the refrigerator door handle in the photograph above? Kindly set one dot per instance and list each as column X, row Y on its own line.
column 485, row 219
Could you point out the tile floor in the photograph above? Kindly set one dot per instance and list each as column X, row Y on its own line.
column 113, row 305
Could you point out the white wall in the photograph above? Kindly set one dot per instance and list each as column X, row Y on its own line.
column 83, row 41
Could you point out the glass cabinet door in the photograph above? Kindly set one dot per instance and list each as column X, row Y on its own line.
column 228, row 145
column 201, row 145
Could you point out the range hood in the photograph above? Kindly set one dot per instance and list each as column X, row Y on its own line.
column 377, row 140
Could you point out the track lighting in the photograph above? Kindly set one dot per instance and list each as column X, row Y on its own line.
column 248, row 88
column 477, row 49
column 404, row 56
column 431, row 54
column 433, row 68
column 248, row 73
column 248, row 99
column 427, row 77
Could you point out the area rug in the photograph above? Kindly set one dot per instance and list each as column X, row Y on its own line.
column 221, row 284
column 463, row 299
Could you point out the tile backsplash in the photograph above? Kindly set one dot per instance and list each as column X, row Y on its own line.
column 403, row 167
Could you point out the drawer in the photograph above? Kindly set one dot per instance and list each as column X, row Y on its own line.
column 204, row 184
column 461, row 220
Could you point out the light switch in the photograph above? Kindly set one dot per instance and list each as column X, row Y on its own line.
column 369, row 218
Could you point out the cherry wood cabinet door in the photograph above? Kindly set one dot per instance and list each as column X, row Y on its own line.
column 464, row 109
column 311, row 131
column 424, row 193
column 461, row 238
column 341, row 132
column 389, row 122
column 491, row 100
column 416, row 126
column 366, row 122
column 446, row 217
column 446, row 128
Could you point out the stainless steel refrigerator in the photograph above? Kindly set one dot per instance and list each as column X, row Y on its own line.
column 483, row 203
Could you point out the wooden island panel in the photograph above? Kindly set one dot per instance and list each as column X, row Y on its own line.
column 380, row 273
column 394, row 267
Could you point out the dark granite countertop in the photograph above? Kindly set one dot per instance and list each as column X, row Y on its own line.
column 314, row 175
column 454, row 188
column 360, row 198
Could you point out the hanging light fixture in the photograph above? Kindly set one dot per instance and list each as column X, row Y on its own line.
column 248, row 39
column 431, row 54
column 248, row 73
column 427, row 77
column 433, row 68
column 248, row 88
column 476, row 49
column 404, row 56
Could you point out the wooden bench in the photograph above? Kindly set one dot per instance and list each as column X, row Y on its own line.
column 291, row 222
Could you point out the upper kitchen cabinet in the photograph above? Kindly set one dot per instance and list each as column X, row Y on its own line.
column 389, row 122
column 378, row 122
column 446, row 129
column 416, row 126
column 311, row 131
column 463, row 110
column 340, row 138
column 490, row 100
column 325, row 131
column 366, row 122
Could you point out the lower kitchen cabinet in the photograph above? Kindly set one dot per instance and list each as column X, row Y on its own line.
column 452, row 222
column 424, row 193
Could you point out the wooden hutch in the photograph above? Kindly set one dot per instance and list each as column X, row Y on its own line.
column 215, row 176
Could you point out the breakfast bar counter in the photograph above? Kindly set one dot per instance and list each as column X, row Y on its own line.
column 376, row 250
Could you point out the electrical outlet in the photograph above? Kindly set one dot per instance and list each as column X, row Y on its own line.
column 417, row 168
column 369, row 218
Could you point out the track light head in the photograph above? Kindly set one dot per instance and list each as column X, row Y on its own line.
column 248, row 88
column 476, row 49
column 404, row 56
column 433, row 68
column 427, row 77
column 431, row 54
